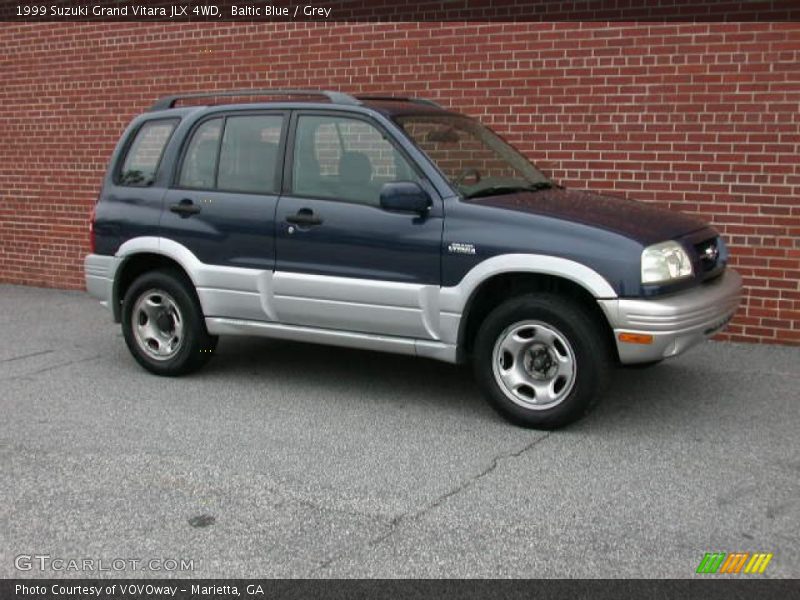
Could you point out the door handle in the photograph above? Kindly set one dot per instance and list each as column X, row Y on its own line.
column 305, row 217
column 185, row 208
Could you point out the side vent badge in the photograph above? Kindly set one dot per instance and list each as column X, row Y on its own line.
column 460, row 248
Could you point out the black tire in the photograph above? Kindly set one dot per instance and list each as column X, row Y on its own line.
column 585, row 348
column 193, row 348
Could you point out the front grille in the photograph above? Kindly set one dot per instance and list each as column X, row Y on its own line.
column 708, row 254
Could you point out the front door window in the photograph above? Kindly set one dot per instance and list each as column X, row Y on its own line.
column 344, row 159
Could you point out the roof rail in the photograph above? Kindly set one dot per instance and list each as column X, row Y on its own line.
column 399, row 99
column 335, row 97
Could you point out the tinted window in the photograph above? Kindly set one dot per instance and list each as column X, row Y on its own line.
column 249, row 153
column 144, row 155
column 200, row 162
column 345, row 159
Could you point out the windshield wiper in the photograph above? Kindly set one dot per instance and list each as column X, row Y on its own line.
column 509, row 189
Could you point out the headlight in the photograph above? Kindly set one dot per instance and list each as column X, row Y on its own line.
column 665, row 262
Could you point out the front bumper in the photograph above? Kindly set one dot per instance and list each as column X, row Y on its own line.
column 674, row 323
column 99, row 271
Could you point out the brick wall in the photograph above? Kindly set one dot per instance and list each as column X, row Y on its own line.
column 696, row 117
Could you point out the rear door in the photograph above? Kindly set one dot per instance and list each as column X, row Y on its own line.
column 342, row 261
column 221, row 205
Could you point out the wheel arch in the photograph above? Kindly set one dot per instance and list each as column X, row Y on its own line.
column 138, row 259
column 141, row 254
column 499, row 287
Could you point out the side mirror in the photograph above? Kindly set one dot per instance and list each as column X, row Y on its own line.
column 405, row 196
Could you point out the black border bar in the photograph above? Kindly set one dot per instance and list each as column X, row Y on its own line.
column 409, row 10
column 707, row 588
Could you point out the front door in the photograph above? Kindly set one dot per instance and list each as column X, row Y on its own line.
column 342, row 261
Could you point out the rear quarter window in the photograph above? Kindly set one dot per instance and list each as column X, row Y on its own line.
column 140, row 165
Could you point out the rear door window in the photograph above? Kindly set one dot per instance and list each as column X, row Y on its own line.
column 199, row 168
column 234, row 154
column 249, row 155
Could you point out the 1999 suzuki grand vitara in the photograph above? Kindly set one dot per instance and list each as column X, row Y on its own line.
column 391, row 224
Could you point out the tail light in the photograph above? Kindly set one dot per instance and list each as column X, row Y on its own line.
column 91, row 231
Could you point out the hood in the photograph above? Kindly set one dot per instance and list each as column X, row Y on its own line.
column 642, row 222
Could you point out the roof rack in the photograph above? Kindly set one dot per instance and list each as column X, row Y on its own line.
column 399, row 99
column 335, row 97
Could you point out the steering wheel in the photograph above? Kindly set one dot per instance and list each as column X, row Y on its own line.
column 469, row 171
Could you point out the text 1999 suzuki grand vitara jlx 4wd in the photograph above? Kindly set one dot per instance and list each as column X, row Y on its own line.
column 391, row 224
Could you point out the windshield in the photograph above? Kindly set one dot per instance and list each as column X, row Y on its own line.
column 475, row 160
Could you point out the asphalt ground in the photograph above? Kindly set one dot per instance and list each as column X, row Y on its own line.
column 290, row 460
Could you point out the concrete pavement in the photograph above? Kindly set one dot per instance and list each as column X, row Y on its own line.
column 289, row 460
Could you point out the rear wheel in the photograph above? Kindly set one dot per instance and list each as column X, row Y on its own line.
column 163, row 324
column 541, row 360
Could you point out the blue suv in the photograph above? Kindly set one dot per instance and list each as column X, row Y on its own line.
column 391, row 224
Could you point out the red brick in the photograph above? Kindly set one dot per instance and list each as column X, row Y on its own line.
column 701, row 117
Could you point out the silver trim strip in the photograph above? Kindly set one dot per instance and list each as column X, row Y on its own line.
column 231, row 303
column 352, row 303
column 349, row 289
column 348, row 339
column 351, row 316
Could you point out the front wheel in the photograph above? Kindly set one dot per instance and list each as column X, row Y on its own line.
column 163, row 324
column 541, row 360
